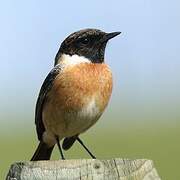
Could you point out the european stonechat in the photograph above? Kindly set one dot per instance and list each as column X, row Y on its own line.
column 75, row 93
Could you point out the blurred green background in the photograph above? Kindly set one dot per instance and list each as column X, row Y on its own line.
column 143, row 117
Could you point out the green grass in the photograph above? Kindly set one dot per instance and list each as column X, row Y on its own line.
column 159, row 143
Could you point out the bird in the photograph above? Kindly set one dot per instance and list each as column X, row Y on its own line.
column 74, row 94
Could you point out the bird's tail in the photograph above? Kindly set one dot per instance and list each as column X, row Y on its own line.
column 43, row 152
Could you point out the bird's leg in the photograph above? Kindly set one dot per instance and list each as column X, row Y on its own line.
column 59, row 147
column 79, row 140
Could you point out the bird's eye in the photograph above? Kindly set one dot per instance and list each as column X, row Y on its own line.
column 85, row 41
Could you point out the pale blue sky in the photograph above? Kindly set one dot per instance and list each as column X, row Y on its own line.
column 145, row 59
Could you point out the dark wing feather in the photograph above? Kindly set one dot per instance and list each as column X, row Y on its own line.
column 68, row 142
column 45, row 88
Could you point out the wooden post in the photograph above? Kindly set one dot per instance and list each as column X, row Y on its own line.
column 114, row 169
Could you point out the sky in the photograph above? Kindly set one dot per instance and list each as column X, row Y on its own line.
column 145, row 58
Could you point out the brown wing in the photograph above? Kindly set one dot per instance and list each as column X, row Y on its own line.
column 45, row 88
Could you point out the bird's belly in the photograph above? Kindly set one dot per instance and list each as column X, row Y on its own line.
column 79, row 121
column 71, row 122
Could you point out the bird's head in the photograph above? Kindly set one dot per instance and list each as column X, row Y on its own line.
column 86, row 43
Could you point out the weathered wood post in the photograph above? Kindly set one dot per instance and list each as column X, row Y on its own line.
column 123, row 169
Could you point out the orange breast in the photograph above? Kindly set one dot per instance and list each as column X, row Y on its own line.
column 76, row 86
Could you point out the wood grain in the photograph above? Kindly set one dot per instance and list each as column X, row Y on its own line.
column 85, row 169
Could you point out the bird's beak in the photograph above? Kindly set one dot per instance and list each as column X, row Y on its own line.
column 109, row 36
